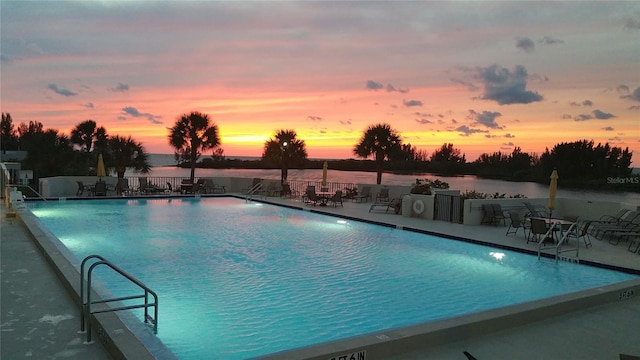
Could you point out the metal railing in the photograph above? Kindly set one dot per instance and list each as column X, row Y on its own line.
column 565, row 237
column 87, row 311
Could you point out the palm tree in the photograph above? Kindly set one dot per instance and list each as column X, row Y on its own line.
column 382, row 142
column 86, row 133
column 126, row 153
column 285, row 149
column 193, row 133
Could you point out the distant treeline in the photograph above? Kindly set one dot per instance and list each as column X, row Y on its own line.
column 581, row 164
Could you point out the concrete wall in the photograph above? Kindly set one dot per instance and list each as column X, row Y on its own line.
column 67, row 186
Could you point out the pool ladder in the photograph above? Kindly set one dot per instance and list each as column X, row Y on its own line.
column 558, row 247
column 87, row 310
column 254, row 190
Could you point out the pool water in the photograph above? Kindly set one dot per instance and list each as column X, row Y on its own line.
column 239, row 280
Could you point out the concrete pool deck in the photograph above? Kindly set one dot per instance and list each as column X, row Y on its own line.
column 39, row 319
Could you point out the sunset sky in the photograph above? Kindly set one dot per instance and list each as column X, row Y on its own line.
column 484, row 75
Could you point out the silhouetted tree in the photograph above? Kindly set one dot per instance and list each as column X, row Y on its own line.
column 8, row 133
column 580, row 162
column 193, row 133
column 284, row 149
column 48, row 153
column 448, row 154
column 381, row 142
column 85, row 134
column 123, row 153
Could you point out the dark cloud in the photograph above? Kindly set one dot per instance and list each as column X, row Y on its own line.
column 623, row 89
column 567, row 116
column 595, row 114
column 464, row 130
column 131, row 111
column 469, row 85
column 548, row 40
column 509, row 136
column 61, row 91
column 608, row 128
column 345, row 122
column 314, row 118
column 508, row 144
column 409, row 103
column 486, row 118
column 89, row 105
column 601, row 115
column 372, row 85
column 391, row 88
column 424, row 121
column 635, row 95
column 507, row 87
column 120, row 87
column 583, row 117
column 525, row 44
column 583, row 103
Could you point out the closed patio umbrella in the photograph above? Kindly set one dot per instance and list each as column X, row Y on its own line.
column 100, row 170
column 324, row 173
column 553, row 188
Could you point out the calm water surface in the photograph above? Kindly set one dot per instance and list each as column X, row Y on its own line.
column 462, row 183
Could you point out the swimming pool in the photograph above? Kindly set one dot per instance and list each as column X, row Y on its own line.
column 240, row 280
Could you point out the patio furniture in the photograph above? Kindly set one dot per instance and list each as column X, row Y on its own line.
column 186, row 186
column 383, row 195
column 312, row 197
column 365, row 196
column 517, row 222
column 100, row 189
column 493, row 214
column 336, row 198
column 395, row 204
column 535, row 212
column 581, row 231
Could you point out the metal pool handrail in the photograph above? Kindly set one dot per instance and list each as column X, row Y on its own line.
column 86, row 311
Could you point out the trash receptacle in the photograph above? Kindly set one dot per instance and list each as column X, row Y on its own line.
column 406, row 206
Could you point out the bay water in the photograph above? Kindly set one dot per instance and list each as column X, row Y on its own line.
column 162, row 166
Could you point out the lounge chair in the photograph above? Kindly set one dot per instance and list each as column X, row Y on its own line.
column 395, row 204
column 312, row 197
column 336, row 198
column 209, row 187
column 534, row 212
column 581, row 231
column 146, row 188
column 517, row 222
column 599, row 230
column 82, row 189
column 613, row 218
column 493, row 214
column 365, row 196
column 383, row 195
